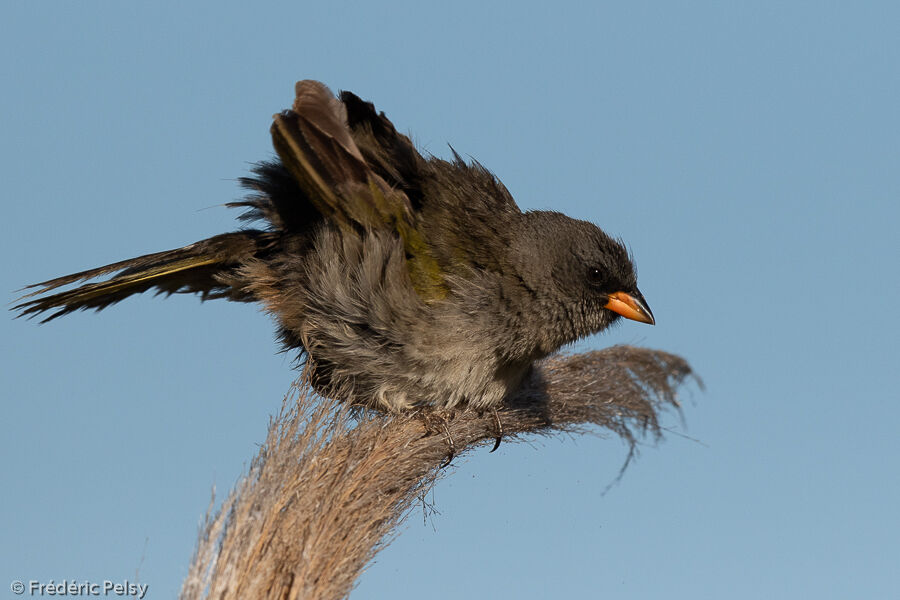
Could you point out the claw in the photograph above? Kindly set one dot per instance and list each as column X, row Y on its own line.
column 428, row 418
column 499, row 436
column 452, row 452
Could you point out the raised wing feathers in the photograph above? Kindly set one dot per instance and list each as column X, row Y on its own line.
column 316, row 145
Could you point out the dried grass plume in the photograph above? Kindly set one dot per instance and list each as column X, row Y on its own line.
column 330, row 485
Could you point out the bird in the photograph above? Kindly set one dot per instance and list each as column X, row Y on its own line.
column 399, row 280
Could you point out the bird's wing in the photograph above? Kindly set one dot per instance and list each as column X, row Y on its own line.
column 463, row 211
column 390, row 154
column 316, row 145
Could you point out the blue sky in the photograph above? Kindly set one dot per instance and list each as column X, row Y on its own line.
column 747, row 152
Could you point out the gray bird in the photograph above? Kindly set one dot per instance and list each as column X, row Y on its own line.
column 402, row 280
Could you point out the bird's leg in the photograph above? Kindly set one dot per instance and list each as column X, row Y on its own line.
column 498, row 430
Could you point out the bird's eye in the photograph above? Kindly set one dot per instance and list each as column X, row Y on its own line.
column 596, row 277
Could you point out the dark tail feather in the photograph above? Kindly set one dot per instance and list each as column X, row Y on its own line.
column 201, row 268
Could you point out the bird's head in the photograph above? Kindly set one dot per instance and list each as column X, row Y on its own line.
column 581, row 279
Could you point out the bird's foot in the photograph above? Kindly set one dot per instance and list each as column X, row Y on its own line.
column 498, row 431
column 428, row 419
column 452, row 447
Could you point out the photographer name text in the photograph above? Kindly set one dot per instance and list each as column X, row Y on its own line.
column 70, row 587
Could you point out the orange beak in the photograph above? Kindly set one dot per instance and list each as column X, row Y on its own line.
column 631, row 307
